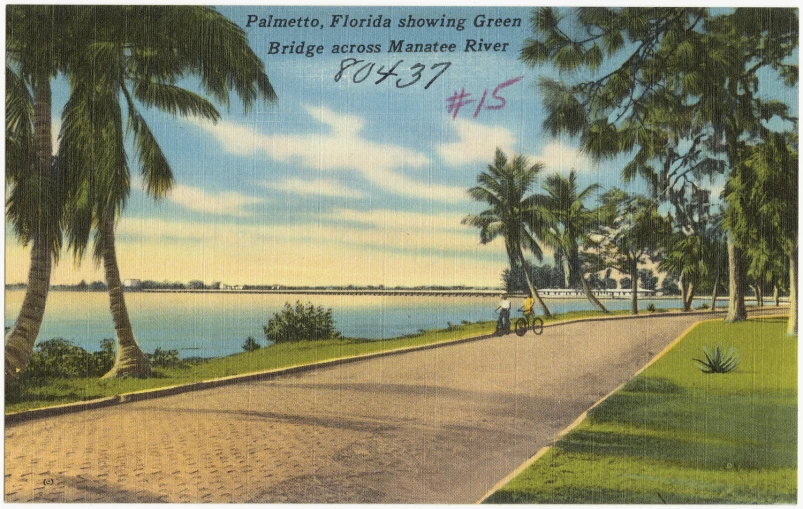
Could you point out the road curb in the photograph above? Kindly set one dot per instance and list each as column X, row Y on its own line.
column 38, row 413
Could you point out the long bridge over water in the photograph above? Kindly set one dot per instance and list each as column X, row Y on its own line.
column 403, row 292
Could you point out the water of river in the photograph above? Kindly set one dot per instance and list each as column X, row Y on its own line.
column 217, row 324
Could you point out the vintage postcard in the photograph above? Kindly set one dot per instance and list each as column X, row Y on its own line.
column 407, row 254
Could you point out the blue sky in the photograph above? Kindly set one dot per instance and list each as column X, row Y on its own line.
column 340, row 182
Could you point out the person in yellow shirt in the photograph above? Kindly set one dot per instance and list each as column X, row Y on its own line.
column 527, row 307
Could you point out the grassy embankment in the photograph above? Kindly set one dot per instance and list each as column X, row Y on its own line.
column 675, row 435
column 61, row 391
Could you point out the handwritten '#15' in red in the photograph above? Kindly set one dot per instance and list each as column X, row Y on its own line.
column 460, row 99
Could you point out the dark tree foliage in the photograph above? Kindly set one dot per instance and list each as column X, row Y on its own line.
column 542, row 276
column 164, row 358
column 251, row 345
column 669, row 287
column 680, row 93
column 647, row 279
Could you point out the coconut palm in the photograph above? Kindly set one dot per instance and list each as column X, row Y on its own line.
column 39, row 41
column 568, row 225
column 136, row 54
column 512, row 215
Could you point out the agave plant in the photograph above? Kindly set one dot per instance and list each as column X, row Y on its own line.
column 717, row 362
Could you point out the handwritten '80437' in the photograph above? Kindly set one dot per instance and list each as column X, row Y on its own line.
column 406, row 76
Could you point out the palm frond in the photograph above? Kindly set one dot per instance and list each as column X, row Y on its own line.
column 174, row 100
column 156, row 171
column 19, row 127
column 204, row 43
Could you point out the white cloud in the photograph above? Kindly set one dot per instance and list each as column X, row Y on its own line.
column 338, row 146
column 374, row 230
column 318, row 187
column 343, row 247
column 556, row 156
column 477, row 143
column 225, row 203
column 399, row 221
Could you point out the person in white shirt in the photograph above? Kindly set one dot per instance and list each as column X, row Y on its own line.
column 504, row 311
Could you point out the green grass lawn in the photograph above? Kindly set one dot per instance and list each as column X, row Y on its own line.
column 676, row 435
column 60, row 391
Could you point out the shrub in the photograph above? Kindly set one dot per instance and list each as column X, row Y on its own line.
column 301, row 323
column 717, row 362
column 60, row 358
column 651, row 308
column 704, row 306
column 250, row 344
column 164, row 358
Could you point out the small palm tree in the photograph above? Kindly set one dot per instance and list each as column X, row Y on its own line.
column 512, row 215
column 569, row 223
column 131, row 60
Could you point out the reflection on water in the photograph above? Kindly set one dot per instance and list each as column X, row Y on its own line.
column 216, row 324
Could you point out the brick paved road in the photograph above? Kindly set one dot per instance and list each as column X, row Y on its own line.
column 435, row 426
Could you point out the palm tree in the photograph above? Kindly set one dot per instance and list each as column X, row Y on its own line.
column 39, row 40
column 685, row 260
column 569, row 224
column 511, row 215
column 132, row 60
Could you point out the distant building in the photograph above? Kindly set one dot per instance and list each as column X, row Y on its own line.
column 132, row 284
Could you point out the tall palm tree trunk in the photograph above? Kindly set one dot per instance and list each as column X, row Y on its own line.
column 634, row 287
column 130, row 360
column 577, row 269
column 715, row 294
column 590, row 295
column 736, row 308
column 688, row 297
column 759, row 295
column 20, row 340
column 791, row 327
column 533, row 289
column 686, row 292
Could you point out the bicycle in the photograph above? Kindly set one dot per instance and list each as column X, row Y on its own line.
column 529, row 322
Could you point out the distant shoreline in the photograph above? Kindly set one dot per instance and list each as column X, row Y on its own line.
column 385, row 292
column 403, row 292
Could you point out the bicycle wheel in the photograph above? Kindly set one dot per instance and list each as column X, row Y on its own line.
column 521, row 326
column 538, row 325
